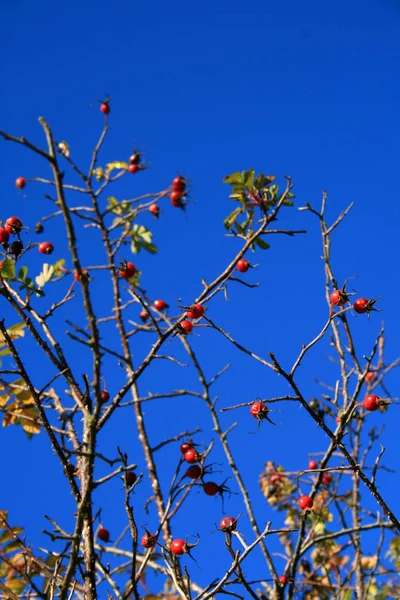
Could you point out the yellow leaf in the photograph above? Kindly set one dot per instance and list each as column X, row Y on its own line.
column 116, row 165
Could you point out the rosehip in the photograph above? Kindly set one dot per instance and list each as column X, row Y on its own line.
column 160, row 304
column 4, row 236
column 185, row 447
column 144, row 315
column 103, row 534
column 371, row 402
column 20, row 182
column 327, row 478
column 82, row 275
column 179, row 185
column 16, row 248
column 339, row 298
column 243, row 265
column 154, row 209
column 362, row 305
column 259, row 410
column 211, row 488
column 305, row 502
column 127, row 270
column 130, row 478
column 149, row 540
column 194, row 472
column 178, row 547
column 105, row 396
column 105, row 108
column 312, row 464
column 370, row 376
column 275, row 478
column 283, row 579
column 176, row 199
column 191, row 456
column 186, row 326
column 228, row 524
column 46, row 248
column 195, row 312
column 133, row 168
column 13, row 225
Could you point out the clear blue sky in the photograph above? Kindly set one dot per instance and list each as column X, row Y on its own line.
column 306, row 89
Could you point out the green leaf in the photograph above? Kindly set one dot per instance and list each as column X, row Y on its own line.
column 262, row 244
column 230, row 219
column 248, row 177
column 233, row 179
column 22, row 273
column 141, row 237
column 8, row 269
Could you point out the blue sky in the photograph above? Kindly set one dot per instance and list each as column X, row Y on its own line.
column 305, row 89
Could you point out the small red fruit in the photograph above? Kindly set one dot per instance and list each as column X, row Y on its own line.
column 191, row 456
column 243, row 265
column 186, row 326
column 20, row 182
column 312, row 465
column 160, row 304
column 176, row 199
column 144, row 315
column 16, row 248
column 105, row 396
column 130, row 478
column 103, row 534
column 178, row 547
column 228, row 524
column 149, row 540
column 13, row 225
column 275, row 478
column 370, row 376
column 259, row 410
column 46, row 248
column 339, row 298
column 194, row 472
column 362, row 305
column 105, row 108
column 133, row 168
column 127, row 270
column 179, row 185
column 371, row 402
column 327, row 478
column 185, row 447
column 154, row 209
column 211, row 488
column 282, row 579
column 305, row 502
column 4, row 236
column 82, row 275
column 195, row 312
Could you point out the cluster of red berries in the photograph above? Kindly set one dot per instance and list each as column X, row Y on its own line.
column 361, row 305
column 178, row 192
column 14, row 226
column 134, row 162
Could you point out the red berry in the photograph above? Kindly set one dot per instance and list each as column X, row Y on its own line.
column 133, row 168
column 16, row 248
column 243, row 265
column 149, row 540
column 371, row 402
column 362, row 305
column 275, row 478
column 187, row 326
column 312, row 464
column 130, row 478
column 178, row 547
column 305, row 502
column 46, row 248
column 211, row 488
column 144, row 315
column 135, row 158
column 179, row 185
column 160, row 304
column 282, row 579
column 191, row 456
column 327, row 478
column 4, row 236
column 228, row 524
column 339, row 298
column 105, row 396
column 258, row 410
column 127, row 270
column 82, row 275
column 176, row 199
column 195, row 312
column 13, row 225
column 20, row 182
column 370, row 376
column 194, row 472
column 103, row 534
column 185, row 447
column 154, row 209
column 105, row 108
